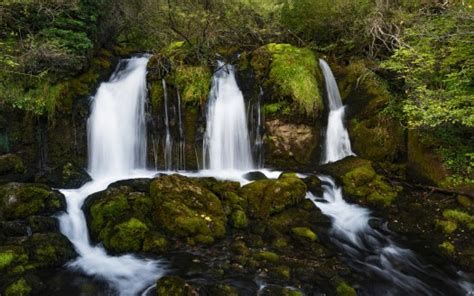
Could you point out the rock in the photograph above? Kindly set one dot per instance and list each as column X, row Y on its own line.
column 361, row 182
column 254, row 176
column 173, row 286
column 18, row 288
column 272, row 290
column 11, row 164
column 18, row 201
column 47, row 250
column 343, row 289
column 313, row 184
column 268, row 256
column 239, row 219
column 304, row 232
column 287, row 143
column 68, row 176
column 268, row 197
column 289, row 72
column 186, row 209
column 221, row 289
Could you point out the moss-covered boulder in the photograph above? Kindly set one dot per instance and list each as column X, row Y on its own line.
column 269, row 197
column 18, row 201
column 186, row 209
column 290, row 73
column 361, row 182
column 173, row 286
column 68, row 175
column 11, row 164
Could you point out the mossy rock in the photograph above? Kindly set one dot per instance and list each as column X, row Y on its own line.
column 290, row 72
column 13, row 260
column 18, row 288
column 268, row 256
column 18, row 201
column 239, row 219
column 128, row 236
column 193, row 83
column 11, row 164
column 186, row 209
column 269, row 197
column 221, row 289
column 47, row 250
column 172, row 286
column 305, row 233
column 424, row 163
column 379, row 138
column 68, row 175
column 343, row 289
column 361, row 182
column 273, row 290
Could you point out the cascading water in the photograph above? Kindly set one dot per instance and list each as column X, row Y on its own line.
column 337, row 144
column 397, row 271
column 168, row 149
column 117, row 150
column 181, row 157
column 226, row 141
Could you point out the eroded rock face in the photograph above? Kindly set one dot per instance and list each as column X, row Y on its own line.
column 287, row 143
column 29, row 237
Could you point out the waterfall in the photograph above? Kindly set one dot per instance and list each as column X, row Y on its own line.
column 117, row 150
column 182, row 141
column 337, row 145
column 168, row 145
column 397, row 270
column 226, row 143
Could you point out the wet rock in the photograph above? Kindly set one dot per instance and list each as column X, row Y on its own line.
column 273, row 290
column 268, row 197
column 68, row 175
column 173, row 286
column 18, row 201
column 186, row 209
column 361, row 182
column 10, row 164
column 314, row 185
column 305, row 233
column 254, row 176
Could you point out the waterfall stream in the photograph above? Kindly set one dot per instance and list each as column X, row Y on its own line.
column 337, row 144
column 117, row 150
column 226, row 141
column 397, row 270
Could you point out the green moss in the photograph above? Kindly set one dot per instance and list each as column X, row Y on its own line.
column 465, row 201
column 239, row 219
column 291, row 73
column 11, row 163
column 155, row 243
column 128, row 236
column 267, row 197
column 362, row 182
column 277, row 107
column 186, row 209
column 49, row 250
column 304, row 232
column 18, row 288
column 446, row 226
column 155, row 94
column 280, row 243
column 5, row 259
column 460, row 217
column 268, row 256
column 282, row 272
column 343, row 289
column 193, row 82
column 447, row 248
column 172, row 286
column 107, row 210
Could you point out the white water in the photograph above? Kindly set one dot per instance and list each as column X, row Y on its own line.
column 337, row 144
column 117, row 150
column 226, row 141
column 397, row 269
column 168, row 145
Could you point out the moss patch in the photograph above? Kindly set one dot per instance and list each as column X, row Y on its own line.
column 291, row 73
column 128, row 236
column 343, row 289
column 267, row 197
column 304, row 232
column 18, row 288
column 193, row 82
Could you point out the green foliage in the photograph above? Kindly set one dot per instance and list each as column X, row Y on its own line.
column 437, row 69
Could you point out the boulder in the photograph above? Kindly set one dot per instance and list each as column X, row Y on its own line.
column 68, row 175
column 361, row 182
column 269, row 197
